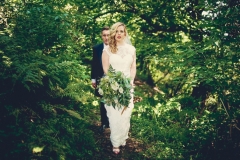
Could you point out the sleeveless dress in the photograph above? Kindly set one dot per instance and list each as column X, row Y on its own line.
column 120, row 124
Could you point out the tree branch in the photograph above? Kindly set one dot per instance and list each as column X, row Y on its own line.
column 153, row 27
column 107, row 12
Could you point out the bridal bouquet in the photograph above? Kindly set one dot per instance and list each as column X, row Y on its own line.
column 115, row 88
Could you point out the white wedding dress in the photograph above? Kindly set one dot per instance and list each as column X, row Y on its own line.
column 120, row 124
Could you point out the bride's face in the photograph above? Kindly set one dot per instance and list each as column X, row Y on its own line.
column 120, row 34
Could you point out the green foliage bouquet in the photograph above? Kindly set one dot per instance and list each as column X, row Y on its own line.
column 115, row 88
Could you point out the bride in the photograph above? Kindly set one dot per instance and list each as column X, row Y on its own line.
column 122, row 57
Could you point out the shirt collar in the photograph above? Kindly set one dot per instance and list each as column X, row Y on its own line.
column 104, row 45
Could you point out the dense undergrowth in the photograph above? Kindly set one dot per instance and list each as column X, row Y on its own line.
column 174, row 129
column 188, row 104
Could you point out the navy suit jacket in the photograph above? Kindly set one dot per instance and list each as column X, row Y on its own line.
column 97, row 69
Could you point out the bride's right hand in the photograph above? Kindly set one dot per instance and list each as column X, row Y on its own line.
column 131, row 82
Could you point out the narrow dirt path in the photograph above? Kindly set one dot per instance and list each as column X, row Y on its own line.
column 132, row 149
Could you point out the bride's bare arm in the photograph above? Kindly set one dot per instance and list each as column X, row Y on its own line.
column 133, row 68
column 105, row 62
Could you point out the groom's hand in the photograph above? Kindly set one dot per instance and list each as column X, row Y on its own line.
column 94, row 85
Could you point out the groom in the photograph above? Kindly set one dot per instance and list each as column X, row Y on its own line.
column 97, row 73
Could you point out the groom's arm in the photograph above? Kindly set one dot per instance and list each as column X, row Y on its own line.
column 94, row 67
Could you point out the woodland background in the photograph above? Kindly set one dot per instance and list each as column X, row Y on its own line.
column 188, row 61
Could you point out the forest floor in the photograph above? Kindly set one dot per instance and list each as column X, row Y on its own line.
column 133, row 147
column 132, row 150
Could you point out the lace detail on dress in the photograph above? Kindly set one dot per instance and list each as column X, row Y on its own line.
column 122, row 52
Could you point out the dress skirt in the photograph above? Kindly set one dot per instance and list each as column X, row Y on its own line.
column 119, row 123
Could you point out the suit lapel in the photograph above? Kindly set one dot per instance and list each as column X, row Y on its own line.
column 100, row 49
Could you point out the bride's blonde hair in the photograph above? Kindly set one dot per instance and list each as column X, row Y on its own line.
column 112, row 40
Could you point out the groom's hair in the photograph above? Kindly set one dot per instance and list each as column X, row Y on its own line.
column 105, row 28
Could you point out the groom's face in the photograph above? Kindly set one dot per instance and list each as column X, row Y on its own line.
column 105, row 36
